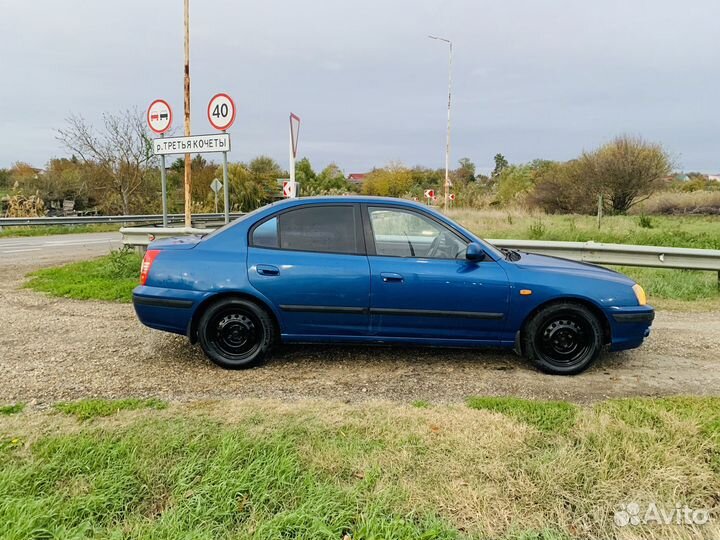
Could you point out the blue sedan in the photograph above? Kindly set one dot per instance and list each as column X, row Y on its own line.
column 377, row 270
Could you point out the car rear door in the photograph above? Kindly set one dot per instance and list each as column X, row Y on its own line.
column 421, row 285
column 310, row 262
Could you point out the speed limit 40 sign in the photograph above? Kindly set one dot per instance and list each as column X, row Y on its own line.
column 221, row 111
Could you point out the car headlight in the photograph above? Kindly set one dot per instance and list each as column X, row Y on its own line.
column 640, row 294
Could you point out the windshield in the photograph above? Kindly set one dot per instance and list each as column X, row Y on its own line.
column 500, row 254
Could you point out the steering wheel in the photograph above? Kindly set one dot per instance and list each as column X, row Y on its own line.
column 432, row 251
column 443, row 247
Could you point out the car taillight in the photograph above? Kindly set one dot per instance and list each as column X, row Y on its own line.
column 150, row 255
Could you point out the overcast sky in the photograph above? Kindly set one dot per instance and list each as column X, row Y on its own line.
column 531, row 78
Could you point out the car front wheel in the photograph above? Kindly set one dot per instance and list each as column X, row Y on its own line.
column 563, row 339
column 236, row 334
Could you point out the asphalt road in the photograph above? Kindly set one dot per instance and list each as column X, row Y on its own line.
column 39, row 249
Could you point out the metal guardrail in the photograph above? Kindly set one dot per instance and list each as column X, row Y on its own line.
column 87, row 220
column 621, row 254
column 591, row 252
column 142, row 236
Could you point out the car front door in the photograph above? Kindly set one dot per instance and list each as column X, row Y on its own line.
column 421, row 285
column 310, row 262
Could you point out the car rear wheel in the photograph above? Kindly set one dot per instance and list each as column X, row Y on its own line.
column 236, row 334
column 563, row 339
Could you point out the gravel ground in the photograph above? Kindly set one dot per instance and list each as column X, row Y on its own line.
column 56, row 349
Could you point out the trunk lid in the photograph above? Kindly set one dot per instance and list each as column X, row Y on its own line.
column 176, row 243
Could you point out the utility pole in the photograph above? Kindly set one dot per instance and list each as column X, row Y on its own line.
column 188, row 161
column 447, row 138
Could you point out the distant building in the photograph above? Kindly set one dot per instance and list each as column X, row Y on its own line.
column 715, row 177
column 357, row 178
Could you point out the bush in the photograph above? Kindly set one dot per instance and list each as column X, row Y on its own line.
column 625, row 171
column 645, row 222
column 536, row 231
column 391, row 181
column 563, row 189
column 123, row 263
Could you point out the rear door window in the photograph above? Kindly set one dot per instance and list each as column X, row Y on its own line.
column 322, row 229
column 266, row 234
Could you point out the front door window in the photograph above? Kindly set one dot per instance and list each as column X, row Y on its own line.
column 402, row 233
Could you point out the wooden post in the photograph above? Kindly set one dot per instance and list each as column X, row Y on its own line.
column 600, row 210
column 188, row 161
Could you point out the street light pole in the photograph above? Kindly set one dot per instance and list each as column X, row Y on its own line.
column 188, row 162
column 447, row 138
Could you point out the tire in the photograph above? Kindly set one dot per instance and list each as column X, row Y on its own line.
column 563, row 339
column 236, row 334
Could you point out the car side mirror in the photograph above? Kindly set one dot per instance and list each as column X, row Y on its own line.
column 474, row 252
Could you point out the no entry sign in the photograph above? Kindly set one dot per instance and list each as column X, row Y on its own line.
column 221, row 111
column 159, row 116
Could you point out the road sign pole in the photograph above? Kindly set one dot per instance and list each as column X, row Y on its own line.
column 447, row 139
column 293, row 187
column 159, row 119
column 226, row 188
column 221, row 114
column 163, row 182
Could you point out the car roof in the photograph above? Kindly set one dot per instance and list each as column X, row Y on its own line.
column 369, row 199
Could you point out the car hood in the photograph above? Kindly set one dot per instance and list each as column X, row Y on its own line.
column 176, row 243
column 546, row 263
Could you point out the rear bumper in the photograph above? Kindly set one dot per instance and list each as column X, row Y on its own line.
column 170, row 310
column 630, row 326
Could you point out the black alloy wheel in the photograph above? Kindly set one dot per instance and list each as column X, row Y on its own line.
column 236, row 333
column 563, row 339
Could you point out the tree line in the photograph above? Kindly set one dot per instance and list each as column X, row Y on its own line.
column 111, row 170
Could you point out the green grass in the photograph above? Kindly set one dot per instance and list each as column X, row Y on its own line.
column 547, row 416
column 671, row 231
column 12, row 409
column 46, row 230
column 667, row 284
column 88, row 409
column 322, row 470
column 421, row 404
column 111, row 277
column 191, row 479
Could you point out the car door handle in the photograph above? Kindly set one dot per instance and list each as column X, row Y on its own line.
column 267, row 270
column 391, row 277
